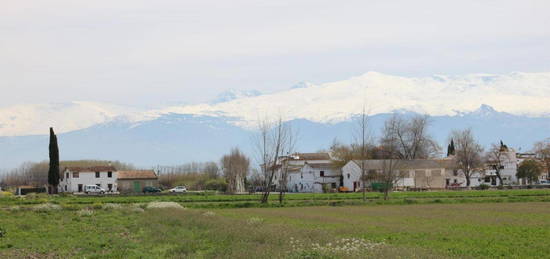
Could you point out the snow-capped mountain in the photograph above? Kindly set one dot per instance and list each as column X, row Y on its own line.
column 515, row 93
column 177, row 138
column 233, row 94
column 34, row 119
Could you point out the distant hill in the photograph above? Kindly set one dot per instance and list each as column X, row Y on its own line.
column 177, row 138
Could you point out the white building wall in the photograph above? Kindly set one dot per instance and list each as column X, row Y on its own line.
column 352, row 174
column 70, row 183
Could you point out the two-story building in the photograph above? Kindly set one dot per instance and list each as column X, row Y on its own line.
column 307, row 172
column 73, row 179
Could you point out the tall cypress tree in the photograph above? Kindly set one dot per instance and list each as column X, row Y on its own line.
column 53, row 172
column 451, row 148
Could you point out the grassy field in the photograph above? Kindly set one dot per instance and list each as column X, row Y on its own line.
column 210, row 201
column 478, row 230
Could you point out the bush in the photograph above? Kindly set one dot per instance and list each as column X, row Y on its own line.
column 6, row 194
column 483, row 187
column 216, row 184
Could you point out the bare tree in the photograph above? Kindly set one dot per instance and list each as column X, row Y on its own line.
column 496, row 157
column 411, row 138
column 272, row 141
column 468, row 152
column 288, row 148
column 542, row 150
column 390, row 174
column 362, row 138
column 235, row 168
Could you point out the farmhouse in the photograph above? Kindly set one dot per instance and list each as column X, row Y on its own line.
column 73, row 179
column 307, row 172
column 417, row 173
column 133, row 181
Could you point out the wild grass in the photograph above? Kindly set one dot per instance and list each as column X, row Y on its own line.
column 297, row 199
column 480, row 230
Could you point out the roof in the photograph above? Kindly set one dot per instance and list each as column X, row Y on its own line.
column 319, row 165
column 136, row 174
column 312, row 156
column 379, row 164
column 77, row 169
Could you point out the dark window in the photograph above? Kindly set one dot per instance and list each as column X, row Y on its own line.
column 96, row 174
column 348, row 176
column 110, row 186
column 333, row 185
column 65, row 187
column 302, row 176
column 98, row 184
column 455, row 181
column 79, row 187
column 109, row 174
column 487, row 179
column 66, row 175
column 75, row 175
column 455, row 172
column 322, row 173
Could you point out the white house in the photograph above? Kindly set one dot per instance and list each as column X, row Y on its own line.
column 314, row 177
column 73, row 179
column 508, row 168
column 307, row 172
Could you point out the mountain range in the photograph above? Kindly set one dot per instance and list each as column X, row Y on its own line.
column 512, row 107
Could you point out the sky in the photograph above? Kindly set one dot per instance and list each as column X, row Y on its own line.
column 164, row 52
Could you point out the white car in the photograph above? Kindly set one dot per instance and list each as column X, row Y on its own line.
column 178, row 189
column 93, row 189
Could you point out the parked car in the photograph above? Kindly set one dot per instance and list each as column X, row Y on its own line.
column 178, row 189
column 150, row 189
column 93, row 189
column 545, row 182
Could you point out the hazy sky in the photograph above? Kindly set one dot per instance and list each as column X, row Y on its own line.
column 150, row 53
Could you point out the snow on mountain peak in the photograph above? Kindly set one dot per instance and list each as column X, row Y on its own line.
column 35, row 119
column 514, row 93
column 233, row 94
column 302, row 84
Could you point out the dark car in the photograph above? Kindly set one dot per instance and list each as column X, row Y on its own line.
column 150, row 189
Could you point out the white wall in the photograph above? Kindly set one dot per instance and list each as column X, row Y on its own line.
column 87, row 178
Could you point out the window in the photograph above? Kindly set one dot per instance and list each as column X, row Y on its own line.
column 333, row 185
column 65, row 187
column 66, row 175
column 110, row 174
column 322, row 173
column 455, row 181
column 301, row 176
column 487, row 179
column 110, row 186
column 96, row 174
column 75, row 175
column 455, row 172
column 348, row 176
column 98, row 184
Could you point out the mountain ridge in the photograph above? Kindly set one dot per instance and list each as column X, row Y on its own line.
column 518, row 93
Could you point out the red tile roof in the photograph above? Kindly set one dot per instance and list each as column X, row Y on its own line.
column 137, row 174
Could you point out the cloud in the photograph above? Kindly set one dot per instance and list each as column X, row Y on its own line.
column 145, row 52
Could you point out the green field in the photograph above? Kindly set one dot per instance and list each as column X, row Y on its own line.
column 209, row 200
column 461, row 225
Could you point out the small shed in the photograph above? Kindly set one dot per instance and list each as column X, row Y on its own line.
column 135, row 180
